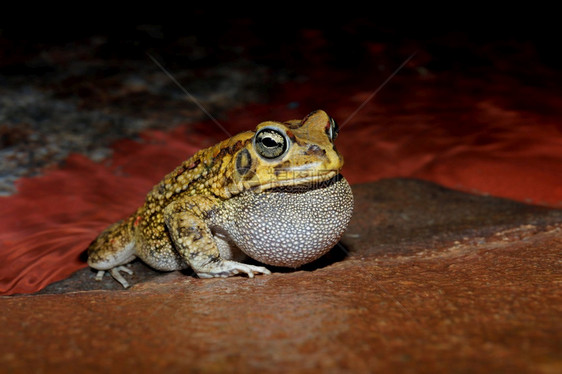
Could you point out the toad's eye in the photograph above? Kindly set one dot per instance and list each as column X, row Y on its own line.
column 332, row 129
column 270, row 143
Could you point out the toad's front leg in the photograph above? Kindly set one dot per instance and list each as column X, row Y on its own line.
column 194, row 240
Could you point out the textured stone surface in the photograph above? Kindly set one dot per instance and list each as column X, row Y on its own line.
column 425, row 280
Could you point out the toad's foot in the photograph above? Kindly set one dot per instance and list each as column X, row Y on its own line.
column 116, row 275
column 227, row 268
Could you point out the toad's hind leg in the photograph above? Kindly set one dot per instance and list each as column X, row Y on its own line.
column 194, row 240
column 112, row 249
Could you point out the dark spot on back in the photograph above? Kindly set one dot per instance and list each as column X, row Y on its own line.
column 193, row 165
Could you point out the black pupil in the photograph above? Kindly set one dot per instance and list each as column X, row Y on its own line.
column 269, row 142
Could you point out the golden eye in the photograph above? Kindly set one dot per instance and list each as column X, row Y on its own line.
column 270, row 143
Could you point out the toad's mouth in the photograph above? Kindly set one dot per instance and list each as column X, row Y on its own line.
column 305, row 181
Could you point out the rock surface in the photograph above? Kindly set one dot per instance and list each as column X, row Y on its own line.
column 426, row 279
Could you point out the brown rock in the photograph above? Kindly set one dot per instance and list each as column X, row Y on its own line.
column 426, row 280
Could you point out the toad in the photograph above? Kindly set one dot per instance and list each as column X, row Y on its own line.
column 274, row 194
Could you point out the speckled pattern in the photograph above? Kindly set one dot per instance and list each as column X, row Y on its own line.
column 292, row 226
column 187, row 217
